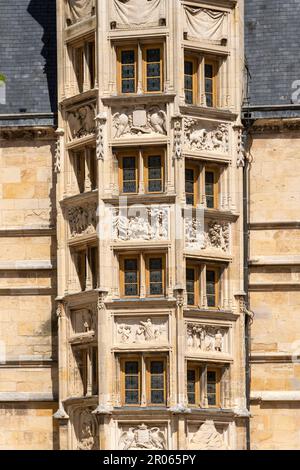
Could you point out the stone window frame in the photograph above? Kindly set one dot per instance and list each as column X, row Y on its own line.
column 201, row 168
column 201, row 370
column 86, row 266
column 88, row 74
column 89, row 179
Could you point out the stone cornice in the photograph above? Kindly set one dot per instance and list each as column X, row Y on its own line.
column 27, row 133
column 275, row 125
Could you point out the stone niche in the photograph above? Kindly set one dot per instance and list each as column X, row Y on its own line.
column 139, row 121
column 78, row 10
column 206, row 136
column 143, row 436
column 211, row 235
column 141, row 223
column 208, row 435
column 205, row 339
column 85, row 429
column 81, row 121
column 83, row 321
column 135, row 14
column 82, row 219
column 141, row 331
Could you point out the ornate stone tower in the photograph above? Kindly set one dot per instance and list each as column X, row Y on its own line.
column 150, row 225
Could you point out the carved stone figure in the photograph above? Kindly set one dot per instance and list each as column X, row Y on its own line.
column 217, row 235
column 77, row 10
column 125, row 332
column 207, row 438
column 151, row 120
column 82, row 122
column 199, row 135
column 87, row 431
column 147, row 331
column 241, row 150
column 82, row 220
column 154, row 227
column 204, row 338
column 143, row 437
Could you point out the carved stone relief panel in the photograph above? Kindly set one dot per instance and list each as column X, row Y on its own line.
column 202, row 338
column 214, row 235
column 207, row 136
column 145, row 223
column 86, row 429
column 139, row 121
column 141, row 331
column 77, row 10
column 142, row 436
column 83, row 321
column 136, row 13
column 206, row 24
column 207, row 436
column 82, row 219
column 81, row 121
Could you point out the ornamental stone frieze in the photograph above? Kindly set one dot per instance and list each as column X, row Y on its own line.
column 143, row 437
column 202, row 338
column 148, row 223
column 78, row 10
column 81, row 121
column 144, row 331
column 139, row 121
column 214, row 236
column 82, row 219
column 208, row 436
column 206, row 136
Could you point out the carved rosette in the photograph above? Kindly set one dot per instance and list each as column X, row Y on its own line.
column 215, row 236
column 200, row 135
column 82, row 219
column 146, row 224
column 139, row 121
column 81, row 121
column 143, row 437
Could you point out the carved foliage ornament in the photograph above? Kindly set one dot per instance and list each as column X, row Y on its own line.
column 101, row 121
column 200, row 135
column 82, row 220
column 77, row 10
column 152, row 224
column 143, row 437
column 81, row 122
column 145, row 121
column 204, row 338
column 216, row 237
column 207, row 438
column 177, row 139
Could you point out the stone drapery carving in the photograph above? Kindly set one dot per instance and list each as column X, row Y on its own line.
column 201, row 135
column 141, row 331
column 151, row 224
column 215, row 236
column 140, row 121
column 143, row 437
column 177, row 151
column 82, row 122
column 77, row 10
column 135, row 13
column 207, row 438
column 82, row 220
column 87, row 431
column 203, row 23
column 100, row 122
column 205, row 338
